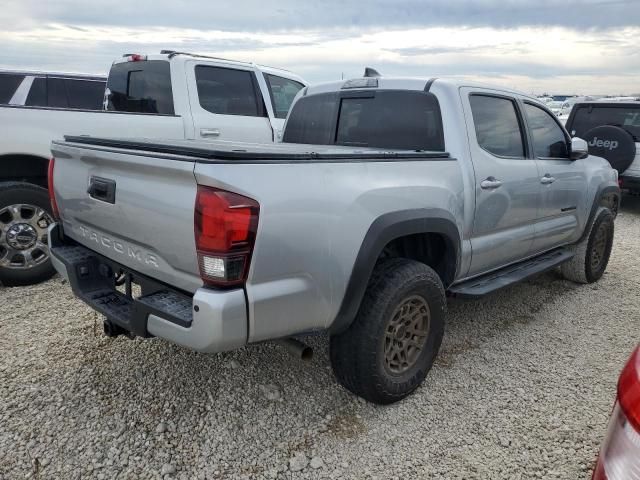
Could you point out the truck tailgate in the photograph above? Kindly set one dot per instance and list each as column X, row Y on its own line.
column 139, row 212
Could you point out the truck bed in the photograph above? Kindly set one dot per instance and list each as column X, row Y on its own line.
column 316, row 205
column 29, row 130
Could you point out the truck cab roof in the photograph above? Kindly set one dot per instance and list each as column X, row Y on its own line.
column 406, row 83
column 182, row 57
column 40, row 73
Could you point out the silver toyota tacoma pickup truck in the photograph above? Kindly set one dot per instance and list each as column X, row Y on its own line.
column 385, row 196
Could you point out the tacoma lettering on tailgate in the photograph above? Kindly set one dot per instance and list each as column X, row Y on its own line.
column 119, row 247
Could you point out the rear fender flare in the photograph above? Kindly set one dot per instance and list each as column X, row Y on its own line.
column 383, row 230
column 600, row 194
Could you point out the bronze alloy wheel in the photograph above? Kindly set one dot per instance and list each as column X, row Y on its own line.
column 599, row 246
column 406, row 334
column 390, row 346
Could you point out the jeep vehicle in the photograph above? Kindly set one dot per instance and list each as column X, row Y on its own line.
column 612, row 130
column 385, row 196
column 172, row 95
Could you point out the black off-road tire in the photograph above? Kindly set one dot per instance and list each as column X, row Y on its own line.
column 591, row 254
column 12, row 193
column 358, row 355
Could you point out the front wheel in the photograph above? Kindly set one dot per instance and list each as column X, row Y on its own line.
column 591, row 254
column 25, row 214
column 390, row 347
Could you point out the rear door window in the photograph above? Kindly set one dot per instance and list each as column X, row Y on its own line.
column 57, row 93
column 282, row 91
column 590, row 116
column 140, row 87
column 549, row 141
column 85, row 94
column 393, row 119
column 227, row 91
column 38, row 93
column 497, row 125
column 9, row 83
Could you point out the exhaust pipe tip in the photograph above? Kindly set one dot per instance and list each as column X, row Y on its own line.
column 306, row 354
column 296, row 348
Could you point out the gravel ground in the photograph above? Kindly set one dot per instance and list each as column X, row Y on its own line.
column 522, row 389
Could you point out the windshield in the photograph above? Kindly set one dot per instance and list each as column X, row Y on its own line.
column 283, row 91
column 590, row 116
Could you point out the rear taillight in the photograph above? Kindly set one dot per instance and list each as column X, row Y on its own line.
column 225, row 230
column 629, row 390
column 620, row 453
column 52, row 193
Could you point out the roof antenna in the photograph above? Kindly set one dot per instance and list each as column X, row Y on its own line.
column 371, row 72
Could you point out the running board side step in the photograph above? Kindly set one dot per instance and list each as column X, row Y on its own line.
column 485, row 284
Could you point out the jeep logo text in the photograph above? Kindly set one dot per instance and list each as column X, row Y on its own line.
column 610, row 144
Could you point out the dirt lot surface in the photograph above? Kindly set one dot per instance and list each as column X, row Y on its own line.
column 522, row 388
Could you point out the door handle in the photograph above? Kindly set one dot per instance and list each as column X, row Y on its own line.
column 490, row 183
column 209, row 132
column 547, row 179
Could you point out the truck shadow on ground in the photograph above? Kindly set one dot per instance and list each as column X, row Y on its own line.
column 261, row 391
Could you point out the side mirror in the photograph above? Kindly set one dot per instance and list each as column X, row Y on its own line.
column 579, row 149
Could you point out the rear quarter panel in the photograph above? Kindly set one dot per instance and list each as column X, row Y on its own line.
column 313, row 219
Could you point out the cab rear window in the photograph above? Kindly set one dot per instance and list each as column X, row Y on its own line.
column 589, row 116
column 140, row 87
column 393, row 119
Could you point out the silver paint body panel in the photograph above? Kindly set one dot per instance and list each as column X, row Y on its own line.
column 315, row 215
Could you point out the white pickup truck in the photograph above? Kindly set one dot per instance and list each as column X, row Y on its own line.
column 172, row 95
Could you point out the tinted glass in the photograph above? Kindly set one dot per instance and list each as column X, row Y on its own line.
column 85, row 94
column 38, row 94
column 142, row 87
column 57, row 93
column 401, row 120
column 392, row 119
column 497, row 126
column 282, row 91
column 312, row 120
column 8, row 86
column 548, row 138
column 227, row 91
column 588, row 117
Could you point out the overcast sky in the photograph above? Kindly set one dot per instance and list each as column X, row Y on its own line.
column 563, row 46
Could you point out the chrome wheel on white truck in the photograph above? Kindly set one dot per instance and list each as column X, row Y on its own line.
column 25, row 215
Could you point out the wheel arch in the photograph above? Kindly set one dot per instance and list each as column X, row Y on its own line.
column 391, row 227
column 17, row 167
column 606, row 196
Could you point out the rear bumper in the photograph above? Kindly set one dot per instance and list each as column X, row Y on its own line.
column 208, row 321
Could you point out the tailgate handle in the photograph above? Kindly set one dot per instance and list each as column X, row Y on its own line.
column 102, row 189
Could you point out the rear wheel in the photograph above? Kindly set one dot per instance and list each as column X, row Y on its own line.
column 591, row 254
column 25, row 214
column 390, row 347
